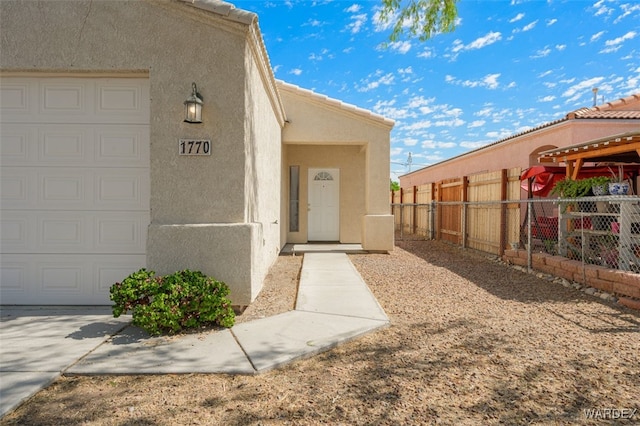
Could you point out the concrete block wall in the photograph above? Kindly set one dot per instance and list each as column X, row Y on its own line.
column 622, row 283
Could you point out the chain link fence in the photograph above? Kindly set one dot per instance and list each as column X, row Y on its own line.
column 602, row 231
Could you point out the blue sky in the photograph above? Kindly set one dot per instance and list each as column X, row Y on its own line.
column 508, row 66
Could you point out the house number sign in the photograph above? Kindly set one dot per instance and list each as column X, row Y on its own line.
column 194, row 147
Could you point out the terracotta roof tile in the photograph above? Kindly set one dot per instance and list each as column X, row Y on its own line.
column 590, row 113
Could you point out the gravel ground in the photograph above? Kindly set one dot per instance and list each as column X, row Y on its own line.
column 472, row 342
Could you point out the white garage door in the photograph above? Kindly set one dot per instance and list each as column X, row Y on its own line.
column 74, row 158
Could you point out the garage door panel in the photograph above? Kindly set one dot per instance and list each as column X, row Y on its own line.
column 16, row 144
column 74, row 100
column 32, row 232
column 18, row 188
column 49, row 188
column 17, row 232
column 64, row 145
column 17, row 99
column 64, row 279
column 62, row 97
column 118, row 232
column 75, row 187
column 64, row 188
column 75, row 145
column 124, row 146
column 60, row 232
column 122, row 101
column 128, row 190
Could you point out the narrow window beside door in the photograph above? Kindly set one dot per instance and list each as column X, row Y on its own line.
column 294, row 201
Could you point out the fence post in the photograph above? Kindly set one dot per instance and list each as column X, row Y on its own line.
column 415, row 210
column 529, row 239
column 503, row 211
column 463, row 226
column 401, row 213
column 432, row 220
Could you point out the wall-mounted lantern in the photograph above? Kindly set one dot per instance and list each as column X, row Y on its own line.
column 193, row 106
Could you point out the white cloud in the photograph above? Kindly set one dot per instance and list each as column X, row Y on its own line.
column 484, row 41
column 597, row 35
column 379, row 25
column 576, row 91
column 380, row 79
column 602, row 9
column 354, row 8
column 549, row 98
column 541, row 53
column 431, row 144
column 400, row 46
column 476, row 123
column 428, row 52
column 357, row 23
column 473, row 145
column 550, row 22
column 410, row 142
column 295, row 71
column 489, row 81
column 628, row 36
column 518, row 17
column 419, row 125
column 561, row 47
column 530, row 26
column 628, row 9
column 615, row 44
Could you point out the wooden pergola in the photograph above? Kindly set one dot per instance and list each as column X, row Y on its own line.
column 623, row 148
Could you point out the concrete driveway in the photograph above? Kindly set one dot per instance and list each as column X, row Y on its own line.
column 37, row 344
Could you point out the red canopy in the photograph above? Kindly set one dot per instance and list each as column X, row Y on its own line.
column 543, row 178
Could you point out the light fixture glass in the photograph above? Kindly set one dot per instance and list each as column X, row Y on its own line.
column 193, row 106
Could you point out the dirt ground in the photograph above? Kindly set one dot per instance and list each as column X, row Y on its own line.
column 472, row 342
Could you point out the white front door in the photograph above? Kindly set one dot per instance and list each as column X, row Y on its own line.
column 324, row 205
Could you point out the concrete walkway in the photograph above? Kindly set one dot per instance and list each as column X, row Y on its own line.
column 39, row 344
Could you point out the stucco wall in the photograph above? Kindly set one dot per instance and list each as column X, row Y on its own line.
column 516, row 152
column 322, row 132
column 174, row 44
column 263, row 157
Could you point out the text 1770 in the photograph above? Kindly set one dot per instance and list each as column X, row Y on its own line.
column 194, row 147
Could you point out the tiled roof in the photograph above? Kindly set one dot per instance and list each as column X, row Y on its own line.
column 334, row 103
column 604, row 111
column 594, row 114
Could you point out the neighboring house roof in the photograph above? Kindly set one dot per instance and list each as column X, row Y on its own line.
column 256, row 42
column 335, row 103
column 601, row 112
column 619, row 148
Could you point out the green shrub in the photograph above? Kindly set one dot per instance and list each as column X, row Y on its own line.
column 171, row 303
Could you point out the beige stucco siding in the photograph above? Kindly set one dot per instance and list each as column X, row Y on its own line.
column 213, row 213
column 263, row 158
